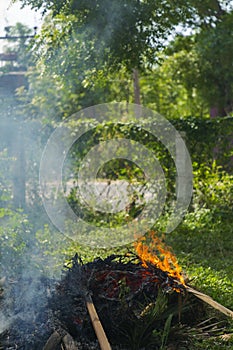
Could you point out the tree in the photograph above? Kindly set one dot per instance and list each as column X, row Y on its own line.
column 203, row 63
column 69, row 74
column 122, row 32
column 130, row 34
column 214, row 49
column 169, row 87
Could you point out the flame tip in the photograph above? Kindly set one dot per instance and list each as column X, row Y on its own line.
column 166, row 260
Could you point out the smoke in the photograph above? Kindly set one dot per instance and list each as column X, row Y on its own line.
column 4, row 323
column 30, row 249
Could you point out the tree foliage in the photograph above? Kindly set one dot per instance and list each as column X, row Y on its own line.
column 202, row 62
column 82, row 41
column 170, row 87
column 215, row 56
column 123, row 31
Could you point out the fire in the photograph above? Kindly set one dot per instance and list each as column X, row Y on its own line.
column 159, row 255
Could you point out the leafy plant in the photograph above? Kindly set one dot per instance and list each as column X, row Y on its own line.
column 150, row 328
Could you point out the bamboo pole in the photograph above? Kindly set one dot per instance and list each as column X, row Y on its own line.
column 99, row 331
column 207, row 299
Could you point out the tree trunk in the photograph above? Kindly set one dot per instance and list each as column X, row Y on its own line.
column 217, row 112
column 19, row 181
column 136, row 86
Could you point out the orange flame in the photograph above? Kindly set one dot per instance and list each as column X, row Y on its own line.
column 159, row 255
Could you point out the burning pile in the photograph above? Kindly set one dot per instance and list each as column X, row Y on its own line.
column 123, row 287
column 135, row 296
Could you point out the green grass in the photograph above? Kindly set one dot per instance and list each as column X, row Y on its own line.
column 204, row 248
column 206, row 255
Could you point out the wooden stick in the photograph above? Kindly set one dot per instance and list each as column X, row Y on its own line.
column 210, row 301
column 99, row 331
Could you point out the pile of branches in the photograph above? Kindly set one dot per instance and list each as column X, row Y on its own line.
column 121, row 288
column 134, row 303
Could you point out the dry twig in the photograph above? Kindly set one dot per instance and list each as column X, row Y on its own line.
column 207, row 299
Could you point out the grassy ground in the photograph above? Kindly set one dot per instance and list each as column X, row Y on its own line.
column 205, row 254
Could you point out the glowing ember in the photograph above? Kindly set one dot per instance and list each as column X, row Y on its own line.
column 156, row 253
